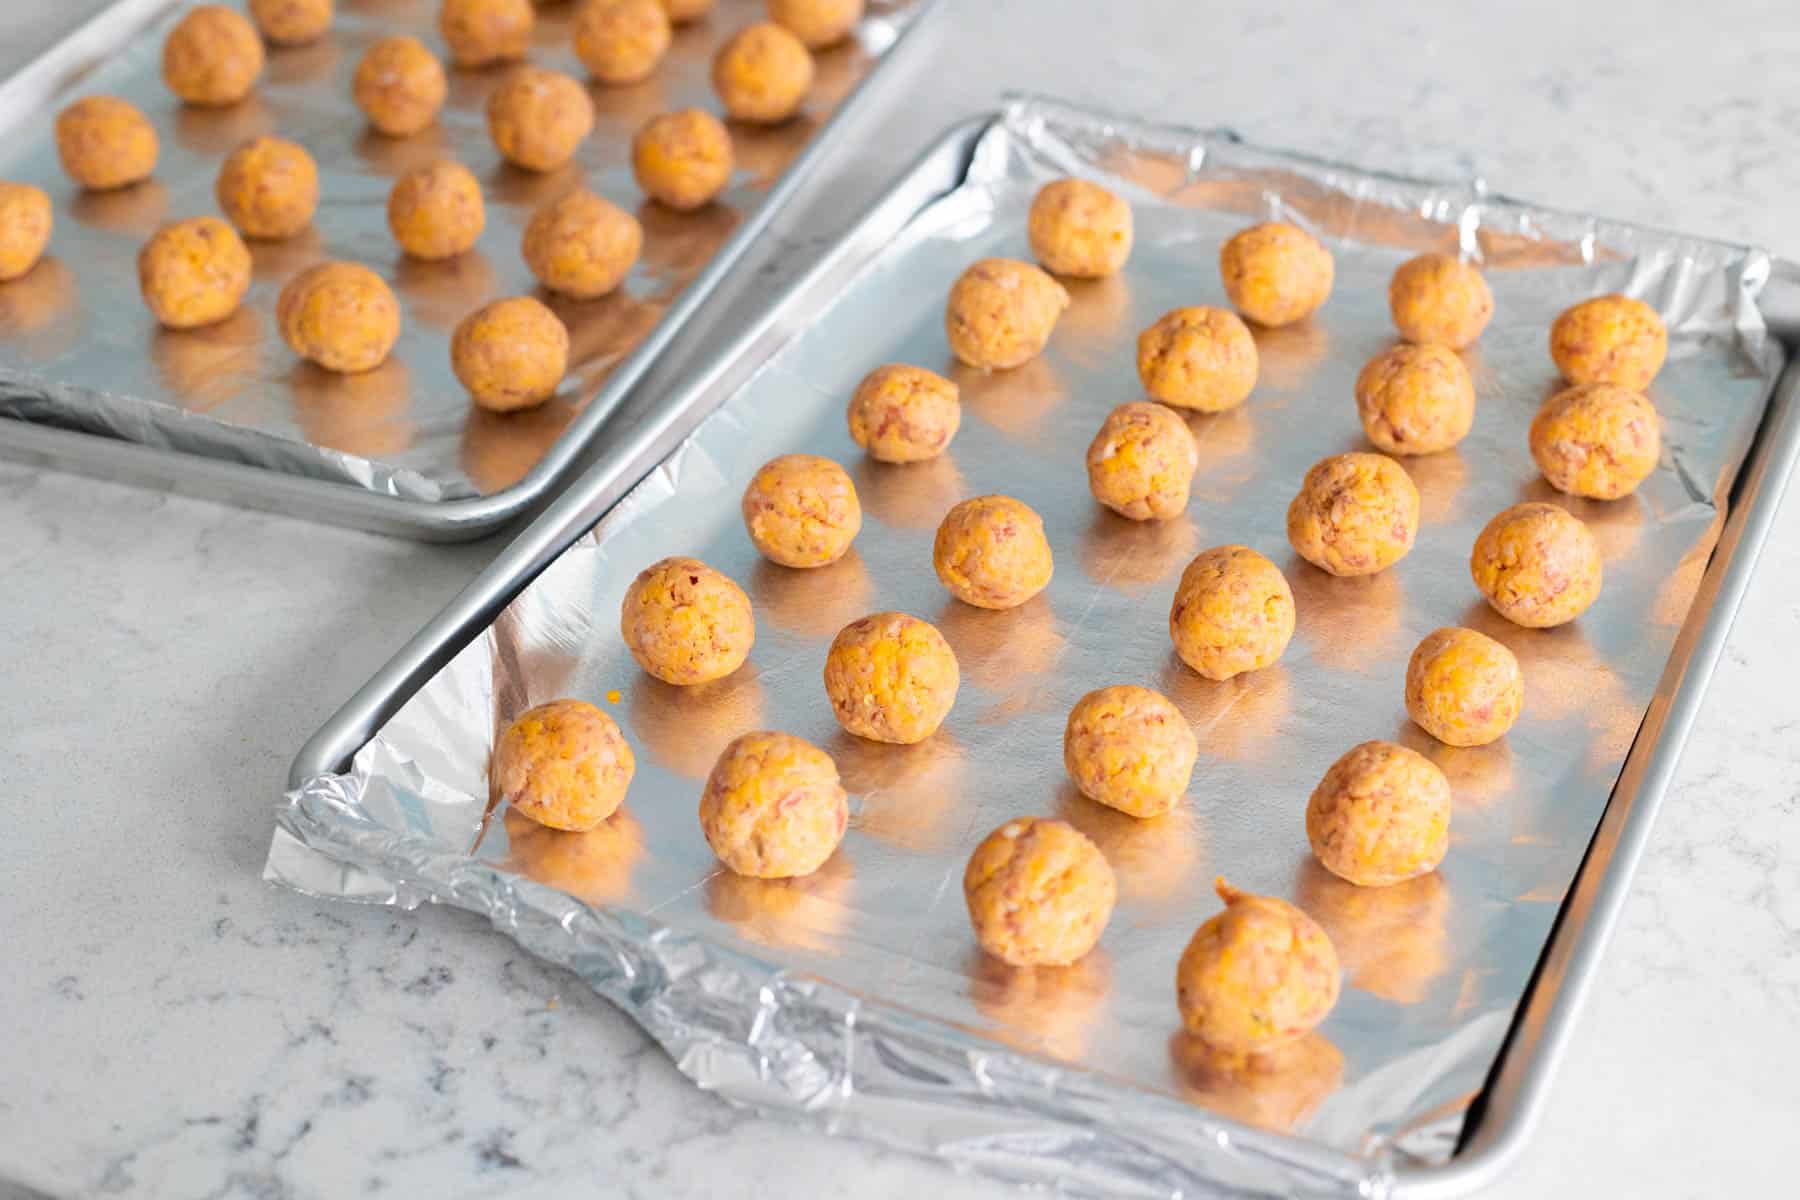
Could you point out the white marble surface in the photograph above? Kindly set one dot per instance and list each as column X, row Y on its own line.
column 172, row 1027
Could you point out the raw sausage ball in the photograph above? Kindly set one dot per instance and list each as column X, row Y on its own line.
column 582, row 245
column 24, row 228
column 1415, row 399
column 621, row 41
column 801, row 511
column 1200, row 358
column 1142, row 462
column 1259, row 975
column 436, row 211
column 212, row 56
column 1276, row 273
column 400, row 86
column 1439, row 300
column 1039, row 893
column 1597, row 440
column 480, row 32
column 762, row 74
column 991, row 552
column 686, row 623
column 773, row 807
column 1080, row 229
column 682, row 159
column 194, row 272
column 683, row 11
column 1380, row 815
column 891, row 678
column 537, row 118
column 1537, row 565
column 1129, row 748
column 563, row 764
column 1233, row 612
column 292, row 22
column 904, row 414
column 1463, row 687
column 1609, row 339
column 1001, row 312
column 817, row 23
column 269, row 188
column 340, row 315
column 510, row 354
column 105, row 143
column 1355, row 514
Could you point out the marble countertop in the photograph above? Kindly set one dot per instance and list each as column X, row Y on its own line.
column 174, row 1027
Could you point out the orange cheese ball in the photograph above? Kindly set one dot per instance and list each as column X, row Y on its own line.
column 24, row 228
column 1610, row 339
column 105, row 143
column 1415, row 399
column 1276, row 273
column 1233, row 612
column 510, row 354
column 621, row 41
column 773, row 807
column 194, row 272
column 1355, row 514
column 904, row 414
column 1200, row 358
column 1380, row 815
column 212, row 57
column 1130, row 748
column 891, row 678
column 686, row 623
column 801, row 511
column 683, row 11
column 400, row 86
column 1463, row 687
column 991, row 552
column 1001, row 313
column 762, row 74
column 1078, row 228
column 538, row 118
column 1537, row 565
column 1259, row 975
column 582, row 245
column 1439, row 300
column 482, row 32
column 1597, row 440
column 292, row 22
column 1141, row 463
column 563, row 764
column 1039, row 893
column 269, row 188
column 436, row 211
column 817, row 23
column 340, row 315
column 682, row 159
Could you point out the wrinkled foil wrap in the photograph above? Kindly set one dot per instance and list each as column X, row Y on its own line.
column 79, row 350
column 857, row 996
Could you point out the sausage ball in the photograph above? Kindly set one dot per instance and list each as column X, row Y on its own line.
column 563, row 764
column 1355, row 514
column 683, row 11
column 762, row 74
column 773, row 807
column 891, row 678
column 1537, row 565
column 24, row 228
column 1463, row 687
column 292, row 22
column 682, row 159
column 1130, row 748
column 1597, row 440
column 399, row 86
column 621, row 41
column 1609, row 339
column 105, row 143
column 1039, row 893
column 269, row 188
column 1080, row 229
column 1439, row 300
column 1142, row 462
column 510, row 354
column 1415, row 399
column 1260, row 974
column 537, row 118
column 991, row 552
column 801, row 511
column 582, row 245
column 1276, row 273
column 1200, row 358
column 480, row 32
column 1381, row 815
column 340, row 315
column 1001, row 312
column 686, row 623
column 1233, row 612
column 436, row 211
column 212, row 57
column 194, row 272
column 904, row 414
column 817, row 23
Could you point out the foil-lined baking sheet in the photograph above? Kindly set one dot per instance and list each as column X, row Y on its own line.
column 79, row 350
column 857, row 995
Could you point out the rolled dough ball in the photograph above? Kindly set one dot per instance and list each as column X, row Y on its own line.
column 1141, row 463
column 891, row 678
column 1200, row 358
column 686, row 623
column 481, row 32
column 340, row 315
column 801, row 511
column 510, row 354
column 269, row 188
column 1537, row 565
column 1039, row 893
column 1439, row 300
column 1355, row 514
column 436, row 211
column 105, row 143
column 563, row 764
column 1380, row 815
column 991, row 552
column 817, row 23
column 400, row 86
column 762, row 74
column 621, row 41
column 292, row 22
column 1609, row 339
column 683, row 11
column 24, row 228
column 1260, row 974
column 1415, row 399
column 582, row 245
column 212, row 57
column 1597, row 440
column 1463, row 687
column 1233, row 612
column 1078, row 228
column 1129, row 748
column 773, row 807
column 1001, row 313
column 194, row 272
column 682, row 159
column 1276, row 273
column 904, row 414
column 538, row 118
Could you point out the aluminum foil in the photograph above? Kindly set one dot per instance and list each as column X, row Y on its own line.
column 857, row 996
column 79, row 350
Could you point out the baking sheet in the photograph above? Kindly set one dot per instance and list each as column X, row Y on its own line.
column 79, row 350
column 1434, row 969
